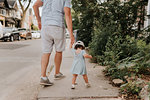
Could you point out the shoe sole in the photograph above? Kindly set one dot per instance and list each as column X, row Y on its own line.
column 57, row 78
column 88, row 86
column 45, row 84
column 72, row 88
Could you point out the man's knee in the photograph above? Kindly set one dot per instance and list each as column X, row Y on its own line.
column 58, row 52
column 46, row 54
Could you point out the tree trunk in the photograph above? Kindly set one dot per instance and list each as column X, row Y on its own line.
column 23, row 19
column 24, row 10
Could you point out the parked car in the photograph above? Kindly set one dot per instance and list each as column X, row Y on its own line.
column 10, row 34
column 36, row 34
column 25, row 33
column 1, row 30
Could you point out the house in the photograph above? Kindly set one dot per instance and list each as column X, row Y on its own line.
column 14, row 13
column 3, row 9
column 9, row 13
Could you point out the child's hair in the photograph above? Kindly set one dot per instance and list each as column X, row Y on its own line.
column 79, row 46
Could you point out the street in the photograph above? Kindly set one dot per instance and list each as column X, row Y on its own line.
column 19, row 69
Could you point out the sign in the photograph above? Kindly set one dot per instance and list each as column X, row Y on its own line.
column 2, row 18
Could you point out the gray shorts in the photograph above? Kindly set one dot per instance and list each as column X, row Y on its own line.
column 53, row 35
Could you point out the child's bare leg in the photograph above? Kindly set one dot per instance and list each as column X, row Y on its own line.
column 74, row 78
column 86, row 81
column 85, row 78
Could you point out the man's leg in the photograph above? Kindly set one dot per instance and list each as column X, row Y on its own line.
column 58, row 59
column 44, row 63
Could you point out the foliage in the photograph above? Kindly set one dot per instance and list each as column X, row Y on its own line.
column 140, row 62
column 118, row 48
column 145, row 35
column 116, row 73
column 115, row 42
column 83, row 18
column 117, row 39
column 148, row 87
column 33, row 27
column 114, row 19
column 132, row 87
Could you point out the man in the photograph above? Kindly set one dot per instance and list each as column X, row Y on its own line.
column 52, row 32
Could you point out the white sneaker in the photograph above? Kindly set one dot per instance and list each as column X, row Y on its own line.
column 73, row 86
column 87, row 85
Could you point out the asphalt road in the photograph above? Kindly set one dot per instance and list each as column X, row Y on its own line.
column 20, row 69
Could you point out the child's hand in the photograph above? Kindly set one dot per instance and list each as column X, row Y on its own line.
column 87, row 56
column 90, row 57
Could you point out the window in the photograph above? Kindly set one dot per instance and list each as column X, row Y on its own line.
column 30, row 11
column 3, row 11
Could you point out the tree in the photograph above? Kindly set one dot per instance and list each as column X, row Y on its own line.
column 114, row 23
column 24, row 9
column 83, row 18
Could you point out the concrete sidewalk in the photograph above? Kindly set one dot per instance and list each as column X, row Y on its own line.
column 61, row 90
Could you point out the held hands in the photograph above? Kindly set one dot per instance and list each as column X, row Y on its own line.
column 72, row 40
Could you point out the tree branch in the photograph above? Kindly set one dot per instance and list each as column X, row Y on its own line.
column 21, row 5
column 28, row 5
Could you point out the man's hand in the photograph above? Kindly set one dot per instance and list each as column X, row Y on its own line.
column 39, row 24
column 72, row 40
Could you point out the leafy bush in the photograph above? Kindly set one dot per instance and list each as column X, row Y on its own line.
column 116, row 73
column 115, row 43
column 149, row 88
column 83, row 18
column 140, row 62
column 118, row 48
column 132, row 87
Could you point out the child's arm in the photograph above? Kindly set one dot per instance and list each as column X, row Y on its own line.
column 87, row 56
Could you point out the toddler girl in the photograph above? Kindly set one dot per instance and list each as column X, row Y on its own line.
column 78, row 66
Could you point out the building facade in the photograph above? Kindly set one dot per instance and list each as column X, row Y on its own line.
column 9, row 13
column 3, row 10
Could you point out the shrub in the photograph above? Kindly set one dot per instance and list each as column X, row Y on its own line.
column 131, row 88
column 116, row 73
